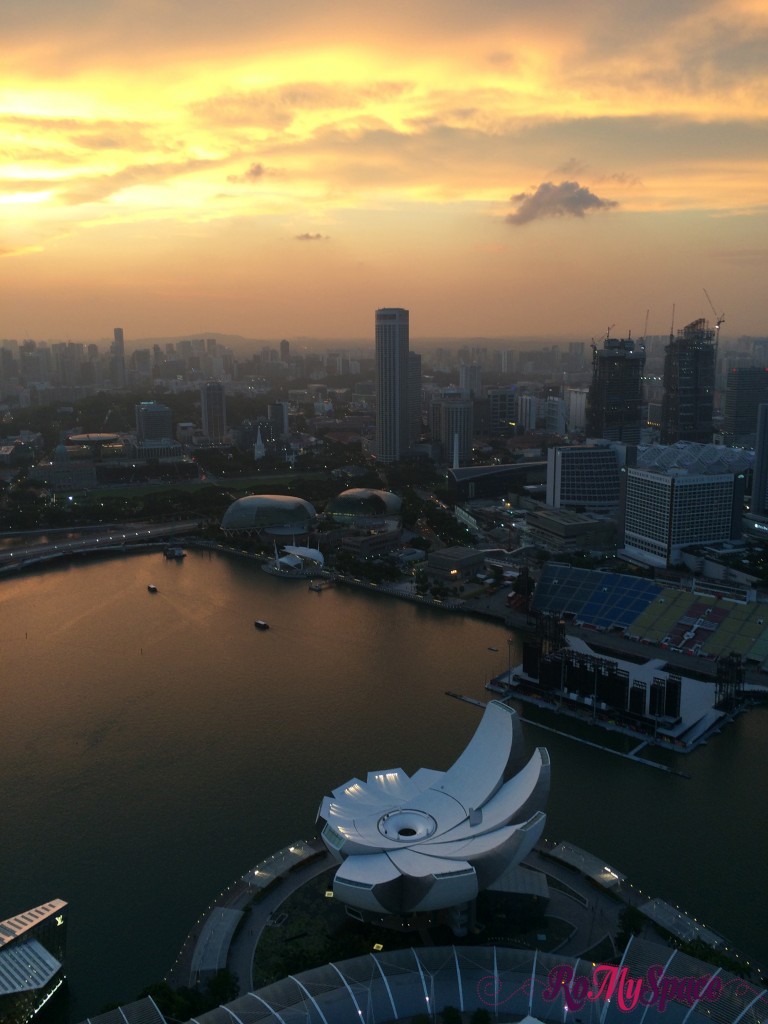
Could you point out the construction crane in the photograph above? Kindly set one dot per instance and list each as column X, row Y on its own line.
column 719, row 319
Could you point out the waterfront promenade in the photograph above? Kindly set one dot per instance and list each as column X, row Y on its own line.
column 590, row 907
column 256, row 897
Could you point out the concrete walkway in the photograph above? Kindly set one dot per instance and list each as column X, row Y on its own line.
column 593, row 915
column 256, row 916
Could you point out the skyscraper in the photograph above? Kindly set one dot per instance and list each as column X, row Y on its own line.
column 615, row 399
column 746, row 389
column 117, row 359
column 454, row 430
column 689, row 385
column 759, row 501
column 214, row 411
column 154, row 421
column 391, row 384
column 414, row 396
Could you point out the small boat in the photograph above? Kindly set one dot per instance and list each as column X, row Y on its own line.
column 261, row 624
column 493, row 648
column 152, row 588
column 175, row 552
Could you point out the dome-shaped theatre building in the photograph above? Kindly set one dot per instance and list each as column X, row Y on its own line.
column 268, row 515
column 363, row 504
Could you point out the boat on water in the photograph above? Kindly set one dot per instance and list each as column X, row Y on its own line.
column 175, row 552
column 152, row 588
column 319, row 584
column 261, row 624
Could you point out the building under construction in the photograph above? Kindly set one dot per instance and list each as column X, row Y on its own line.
column 689, row 385
column 615, row 401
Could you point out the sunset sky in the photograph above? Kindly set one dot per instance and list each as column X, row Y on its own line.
column 280, row 168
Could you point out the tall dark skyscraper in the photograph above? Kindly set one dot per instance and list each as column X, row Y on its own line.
column 117, row 359
column 689, row 385
column 746, row 389
column 615, row 399
column 759, row 501
column 214, row 411
column 414, row 396
column 391, row 384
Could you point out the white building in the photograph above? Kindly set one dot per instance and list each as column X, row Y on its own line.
column 577, row 410
column 665, row 511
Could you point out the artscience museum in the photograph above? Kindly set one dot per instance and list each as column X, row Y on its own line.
column 434, row 840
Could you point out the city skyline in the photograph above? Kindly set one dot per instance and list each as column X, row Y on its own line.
column 280, row 171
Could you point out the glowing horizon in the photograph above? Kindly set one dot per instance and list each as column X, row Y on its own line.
column 274, row 172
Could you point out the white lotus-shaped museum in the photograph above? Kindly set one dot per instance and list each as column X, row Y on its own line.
column 434, row 840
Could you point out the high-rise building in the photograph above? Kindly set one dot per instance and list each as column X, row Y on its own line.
column 414, row 396
column 689, row 385
column 453, row 420
column 117, row 359
column 471, row 379
column 758, row 505
column 154, row 422
column 214, row 411
column 502, row 410
column 392, row 340
column 577, row 410
column 277, row 414
column 285, row 351
column 615, row 400
column 746, row 388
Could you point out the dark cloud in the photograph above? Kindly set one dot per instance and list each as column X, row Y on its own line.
column 254, row 172
column 568, row 199
column 307, row 237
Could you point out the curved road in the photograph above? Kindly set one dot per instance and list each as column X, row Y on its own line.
column 111, row 538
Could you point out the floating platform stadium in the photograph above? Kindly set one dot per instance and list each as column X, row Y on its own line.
column 708, row 625
column 645, row 701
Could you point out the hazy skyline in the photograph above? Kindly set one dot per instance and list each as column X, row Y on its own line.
column 279, row 169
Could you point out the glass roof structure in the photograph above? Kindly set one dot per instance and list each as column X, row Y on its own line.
column 511, row 984
column 602, row 599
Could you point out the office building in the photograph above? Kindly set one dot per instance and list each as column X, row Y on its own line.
column 554, row 415
column 502, row 411
column 117, row 359
column 576, row 399
column 615, row 399
column 527, row 412
column 759, row 502
column 214, row 411
column 277, row 414
column 391, row 441
column 689, row 385
column 471, row 379
column 584, row 478
column 452, row 420
column 154, row 422
column 414, row 396
column 746, row 388
column 32, row 949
